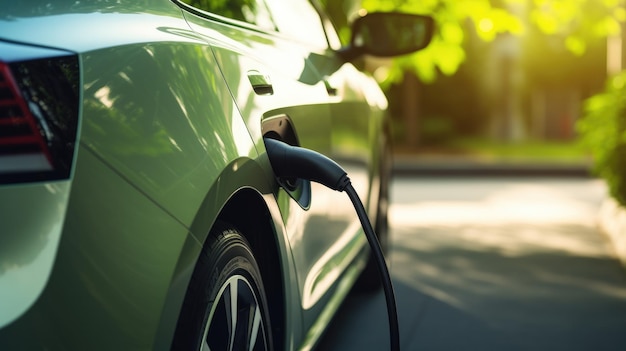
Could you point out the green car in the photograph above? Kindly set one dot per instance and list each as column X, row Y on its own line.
column 138, row 207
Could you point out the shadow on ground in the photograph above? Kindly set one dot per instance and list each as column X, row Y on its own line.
column 455, row 293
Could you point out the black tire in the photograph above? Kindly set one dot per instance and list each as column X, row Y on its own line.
column 225, row 265
column 369, row 280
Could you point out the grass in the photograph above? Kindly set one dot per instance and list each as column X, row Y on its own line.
column 486, row 150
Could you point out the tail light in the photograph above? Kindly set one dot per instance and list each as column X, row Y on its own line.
column 23, row 144
column 39, row 102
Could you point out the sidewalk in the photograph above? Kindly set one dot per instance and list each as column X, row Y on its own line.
column 611, row 216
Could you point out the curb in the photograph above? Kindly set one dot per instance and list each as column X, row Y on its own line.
column 612, row 221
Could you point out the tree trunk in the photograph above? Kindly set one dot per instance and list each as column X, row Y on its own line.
column 410, row 110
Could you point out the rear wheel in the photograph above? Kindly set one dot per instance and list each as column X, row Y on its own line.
column 226, row 306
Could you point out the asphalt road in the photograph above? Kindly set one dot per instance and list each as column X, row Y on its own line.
column 494, row 264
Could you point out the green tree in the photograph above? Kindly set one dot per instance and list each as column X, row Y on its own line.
column 573, row 26
column 575, row 21
column 446, row 52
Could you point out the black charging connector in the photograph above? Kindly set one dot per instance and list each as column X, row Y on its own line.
column 290, row 162
column 296, row 162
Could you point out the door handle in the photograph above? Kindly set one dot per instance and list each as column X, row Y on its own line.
column 261, row 83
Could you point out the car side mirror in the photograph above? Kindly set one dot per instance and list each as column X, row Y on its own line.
column 387, row 34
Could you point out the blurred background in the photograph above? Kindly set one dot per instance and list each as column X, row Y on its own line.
column 506, row 81
column 503, row 263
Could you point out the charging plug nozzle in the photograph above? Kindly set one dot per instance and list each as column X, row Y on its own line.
column 289, row 162
column 297, row 162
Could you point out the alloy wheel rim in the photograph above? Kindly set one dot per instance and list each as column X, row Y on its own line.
column 235, row 321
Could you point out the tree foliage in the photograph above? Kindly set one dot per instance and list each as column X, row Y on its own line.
column 603, row 131
column 576, row 22
column 446, row 53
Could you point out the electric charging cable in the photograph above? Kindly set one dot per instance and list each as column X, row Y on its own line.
column 289, row 162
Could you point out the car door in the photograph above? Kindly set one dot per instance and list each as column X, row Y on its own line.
column 359, row 132
column 356, row 106
column 332, row 224
column 273, row 81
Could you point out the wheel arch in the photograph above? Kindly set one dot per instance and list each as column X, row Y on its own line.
column 245, row 186
column 258, row 229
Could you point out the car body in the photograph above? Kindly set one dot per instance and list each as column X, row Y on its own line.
column 131, row 130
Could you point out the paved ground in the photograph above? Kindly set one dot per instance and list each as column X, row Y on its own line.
column 494, row 264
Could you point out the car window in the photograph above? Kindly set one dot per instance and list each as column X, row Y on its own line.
column 300, row 20
column 250, row 11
